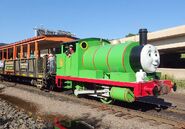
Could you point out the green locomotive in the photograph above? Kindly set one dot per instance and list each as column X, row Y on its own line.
column 124, row 72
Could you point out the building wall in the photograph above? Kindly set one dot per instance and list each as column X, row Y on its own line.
column 177, row 42
column 174, row 73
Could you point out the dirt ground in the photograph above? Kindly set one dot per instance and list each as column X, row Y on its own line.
column 99, row 119
column 176, row 98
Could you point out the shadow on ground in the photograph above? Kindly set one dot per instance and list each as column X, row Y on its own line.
column 146, row 103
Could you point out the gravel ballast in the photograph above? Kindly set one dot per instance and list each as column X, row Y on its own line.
column 14, row 118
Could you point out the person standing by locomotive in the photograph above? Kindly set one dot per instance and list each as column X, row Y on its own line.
column 51, row 63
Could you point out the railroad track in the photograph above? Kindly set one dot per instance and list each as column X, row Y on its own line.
column 163, row 117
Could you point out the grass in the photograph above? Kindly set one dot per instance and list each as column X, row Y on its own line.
column 183, row 55
column 179, row 83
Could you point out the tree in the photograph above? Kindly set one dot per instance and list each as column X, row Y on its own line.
column 2, row 44
column 130, row 35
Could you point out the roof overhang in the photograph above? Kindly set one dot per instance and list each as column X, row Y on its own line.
column 40, row 39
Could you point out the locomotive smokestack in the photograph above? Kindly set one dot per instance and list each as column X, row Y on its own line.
column 143, row 36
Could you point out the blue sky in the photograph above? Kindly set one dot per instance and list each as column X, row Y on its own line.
column 108, row 19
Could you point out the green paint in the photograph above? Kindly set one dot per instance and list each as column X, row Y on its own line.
column 106, row 76
column 158, row 74
column 91, row 73
column 120, row 76
column 109, row 58
column 70, row 66
column 60, row 58
column 99, row 60
column 79, row 87
column 67, row 85
column 115, row 58
column 152, row 76
column 122, row 94
column 88, row 58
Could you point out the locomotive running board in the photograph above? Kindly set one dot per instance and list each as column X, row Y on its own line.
column 99, row 81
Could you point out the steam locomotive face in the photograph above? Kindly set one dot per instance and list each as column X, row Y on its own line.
column 150, row 58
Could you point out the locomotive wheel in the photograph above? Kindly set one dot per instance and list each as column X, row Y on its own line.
column 106, row 100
